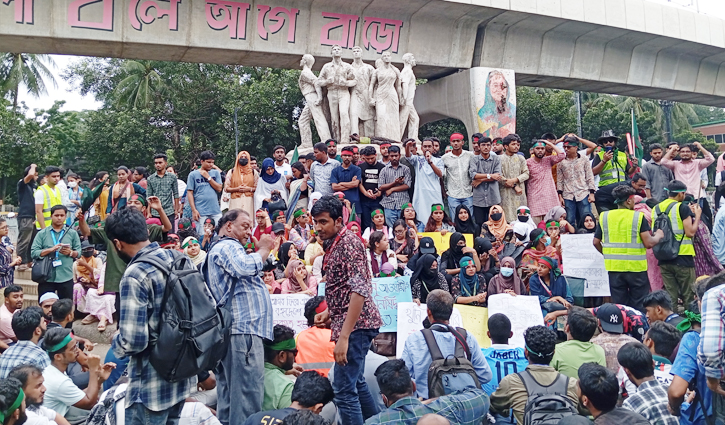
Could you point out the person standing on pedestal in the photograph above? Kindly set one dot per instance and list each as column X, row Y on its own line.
column 542, row 195
column 515, row 172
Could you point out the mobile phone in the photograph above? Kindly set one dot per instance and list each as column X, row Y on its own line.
column 65, row 245
column 608, row 148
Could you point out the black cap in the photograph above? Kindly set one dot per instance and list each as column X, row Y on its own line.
column 427, row 246
column 86, row 245
column 277, row 227
column 611, row 318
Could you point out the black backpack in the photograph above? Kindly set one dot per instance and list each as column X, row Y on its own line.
column 669, row 247
column 448, row 375
column 546, row 405
column 193, row 333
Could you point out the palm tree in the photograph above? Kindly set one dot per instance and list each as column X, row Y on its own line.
column 26, row 69
column 681, row 113
column 142, row 84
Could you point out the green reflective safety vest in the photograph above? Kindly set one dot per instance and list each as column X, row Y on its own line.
column 614, row 171
column 621, row 243
column 686, row 246
column 51, row 198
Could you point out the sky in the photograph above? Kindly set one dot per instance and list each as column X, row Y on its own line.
column 76, row 102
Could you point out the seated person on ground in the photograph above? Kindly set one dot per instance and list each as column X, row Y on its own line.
column 279, row 357
column 512, row 392
column 31, row 377
column 12, row 402
column 29, row 326
column 661, row 340
column 13, row 303
column 635, row 322
column 313, row 344
column 578, row 349
column 61, row 393
column 416, row 355
column 502, row 358
column 311, row 391
column 304, row 417
column 612, row 337
column 599, row 391
column 658, row 306
column 464, row 407
column 550, row 286
column 63, row 317
column 650, row 400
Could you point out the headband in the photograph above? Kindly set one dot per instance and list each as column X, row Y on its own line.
column 456, row 136
column 524, row 211
column 619, row 201
column 339, row 195
column 331, row 142
column 552, row 224
column 406, row 205
column 536, row 239
column 436, row 207
column 548, row 262
column 538, row 354
column 539, row 145
column 384, row 144
column 466, row 261
column 321, row 307
column 347, row 150
column 286, row 345
column 68, row 338
column 13, row 407
column 189, row 240
column 249, row 245
column 376, row 212
column 276, row 214
column 676, row 190
column 300, row 212
column 139, row 198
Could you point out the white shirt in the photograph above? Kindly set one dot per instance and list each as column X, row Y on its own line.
column 40, row 416
column 60, row 391
column 285, row 169
column 369, row 230
column 392, row 259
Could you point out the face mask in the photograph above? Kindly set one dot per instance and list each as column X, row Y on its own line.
column 523, row 218
column 243, row 162
column 496, row 216
column 87, row 254
column 507, row 271
column 547, row 241
column 72, row 185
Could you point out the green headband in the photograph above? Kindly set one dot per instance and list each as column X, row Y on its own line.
column 140, row 198
column 552, row 224
column 190, row 241
column 541, row 235
column 676, row 191
column 539, row 145
column 286, row 345
column 68, row 338
column 466, row 261
column 436, row 207
column 300, row 212
column 376, row 212
column 406, row 205
column 690, row 318
column 537, row 354
column 13, row 407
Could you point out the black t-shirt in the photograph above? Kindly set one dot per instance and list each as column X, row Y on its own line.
column 370, row 175
column 26, row 200
column 272, row 417
column 644, row 227
column 682, row 260
column 604, row 194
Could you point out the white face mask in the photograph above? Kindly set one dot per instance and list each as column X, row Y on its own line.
column 507, row 271
column 72, row 185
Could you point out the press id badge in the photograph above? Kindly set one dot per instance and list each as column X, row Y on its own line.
column 615, row 175
column 57, row 263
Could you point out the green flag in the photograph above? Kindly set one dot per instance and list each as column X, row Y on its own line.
column 638, row 150
column 295, row 156
column 353, row 215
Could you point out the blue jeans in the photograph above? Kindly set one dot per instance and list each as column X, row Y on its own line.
column 575, row 211
column 391, row 216
column 453, row 203
column 138, row 414
column 368, row 206
column 354, row 402
column 240, row 380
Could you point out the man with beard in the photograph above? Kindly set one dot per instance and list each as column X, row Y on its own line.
column 279, row 359
column 542, row 194
column 12, row 405
column 13, row 302
column 29, row 327
column 280, row 165
column 31, row 378
column 346, row 179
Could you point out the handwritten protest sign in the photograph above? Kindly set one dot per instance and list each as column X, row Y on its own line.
column 522, row 310
column 388, row 292
column 581, row 259
column 410, row 319
column 289, row 310
column 475, row 320
column 442, row 242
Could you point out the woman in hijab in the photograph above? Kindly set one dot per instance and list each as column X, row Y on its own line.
column 507, row 281
column 451, row 257
column 464, row 220
column 354, row 228
column 193, row 250
column 271, row 180
column 496, row 229
column 653, row 269
column 298, row 190
column 413, row 260
column 241, row 184
column 589, row 223
column 468, row 287
column 550, row 286
column 523, row 213
column 287, row 252
column 487, row 257
column 557, row 214
column 298, row 279
column 426, row 278
column 540, row 247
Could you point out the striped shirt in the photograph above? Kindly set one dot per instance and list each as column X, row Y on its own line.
column 24, row 352
column 388, row 175
column 251, row 305
column 320, row 175
column 712, row 336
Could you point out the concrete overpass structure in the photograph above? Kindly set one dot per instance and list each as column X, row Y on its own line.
column 628, row 47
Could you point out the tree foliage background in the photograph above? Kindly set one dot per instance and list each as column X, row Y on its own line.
column 183, row 108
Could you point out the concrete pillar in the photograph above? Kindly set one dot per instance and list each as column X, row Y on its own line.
column 469, row 96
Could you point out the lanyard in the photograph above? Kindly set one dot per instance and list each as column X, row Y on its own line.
column 56, row 240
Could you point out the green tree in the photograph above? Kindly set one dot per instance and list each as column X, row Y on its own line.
column 141, row 84
column 24, row 69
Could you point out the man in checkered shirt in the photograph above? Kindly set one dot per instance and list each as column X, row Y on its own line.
column 149, row 397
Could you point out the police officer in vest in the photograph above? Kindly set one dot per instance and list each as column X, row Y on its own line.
column 47, row 196
column 678, row 275
column 610, row 164
column 623, row 237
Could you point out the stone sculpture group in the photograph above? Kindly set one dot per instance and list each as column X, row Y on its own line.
column 355, row 98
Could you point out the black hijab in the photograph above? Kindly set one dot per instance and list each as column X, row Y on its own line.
column 454, row 253
column 284, row 254
column 427, row 276
column 467, row 226
column 595, row 223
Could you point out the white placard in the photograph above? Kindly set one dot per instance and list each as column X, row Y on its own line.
column 581, row 259
column 410, row 319
column 523, row 311
column 289, row 310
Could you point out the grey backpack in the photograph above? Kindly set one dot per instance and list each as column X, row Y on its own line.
column 546, row 405
column 454, row 372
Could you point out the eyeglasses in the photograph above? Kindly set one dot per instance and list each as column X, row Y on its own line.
column 399, row 231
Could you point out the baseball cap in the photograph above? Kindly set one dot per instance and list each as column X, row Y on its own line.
column 611, row 319
column 427, row 246
column 277, row 227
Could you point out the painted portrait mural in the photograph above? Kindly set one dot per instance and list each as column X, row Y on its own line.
column 496, row 103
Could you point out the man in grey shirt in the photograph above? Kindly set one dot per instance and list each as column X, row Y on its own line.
column 321, row 169
column 485, row 173
column 658, row 176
